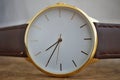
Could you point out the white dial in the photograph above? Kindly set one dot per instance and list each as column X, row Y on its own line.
column 60, row 40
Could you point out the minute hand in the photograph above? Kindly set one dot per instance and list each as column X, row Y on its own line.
column 52, row 54
column 57, row 43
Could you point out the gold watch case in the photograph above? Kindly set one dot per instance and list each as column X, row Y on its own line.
column 91, row 58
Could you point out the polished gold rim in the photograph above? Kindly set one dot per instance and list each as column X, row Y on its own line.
column 90, row 23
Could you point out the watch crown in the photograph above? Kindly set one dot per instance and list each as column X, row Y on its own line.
column 60, row 3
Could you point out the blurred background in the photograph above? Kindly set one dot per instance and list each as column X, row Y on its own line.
column 15, row 12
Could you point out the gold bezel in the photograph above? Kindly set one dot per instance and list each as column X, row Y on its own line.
column 89, row 21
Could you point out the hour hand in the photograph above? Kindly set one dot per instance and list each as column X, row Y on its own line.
column 59, row 40
column 51, row 46
column 47, row 48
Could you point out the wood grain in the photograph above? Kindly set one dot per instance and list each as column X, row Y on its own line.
column 14, row 68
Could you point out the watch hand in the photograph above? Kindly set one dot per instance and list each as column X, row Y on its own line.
column 57, row 43
column 59, row 40
column 51, row 46
column 58, row 53
column 51, row 55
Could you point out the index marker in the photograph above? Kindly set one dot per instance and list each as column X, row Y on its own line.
column 59, row 12
column 87, row 38
column 73, row 16
column 84, row 52
column 83, row 25
column 60, row 67
column 74, row 63
column 47, row 17
column 37, row 53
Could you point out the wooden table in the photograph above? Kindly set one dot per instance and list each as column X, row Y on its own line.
column 14, row 68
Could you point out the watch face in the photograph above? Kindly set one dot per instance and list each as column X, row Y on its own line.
column 60, row 40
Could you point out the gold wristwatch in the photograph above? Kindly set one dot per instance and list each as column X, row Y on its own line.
column 61, row 40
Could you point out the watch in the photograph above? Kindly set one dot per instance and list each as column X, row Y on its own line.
column 61, row 40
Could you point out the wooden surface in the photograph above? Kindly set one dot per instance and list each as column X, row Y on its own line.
column 12, row 68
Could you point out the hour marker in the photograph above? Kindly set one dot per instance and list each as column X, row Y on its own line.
column 38, row 53
column 73, row 16
column 34, row 40
column 74, row 63
column 60, row 67
column 83, row 25
column 59, row 12
column 35, row 26
column 84, row 52
column 87, row 38
column 47, row 17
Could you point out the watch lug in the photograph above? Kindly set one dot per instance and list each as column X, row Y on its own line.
column 94, row 60
column 29, row 60
column 93, row 19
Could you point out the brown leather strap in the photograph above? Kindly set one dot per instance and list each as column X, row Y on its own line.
column 108, row 40
column 12, row 41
